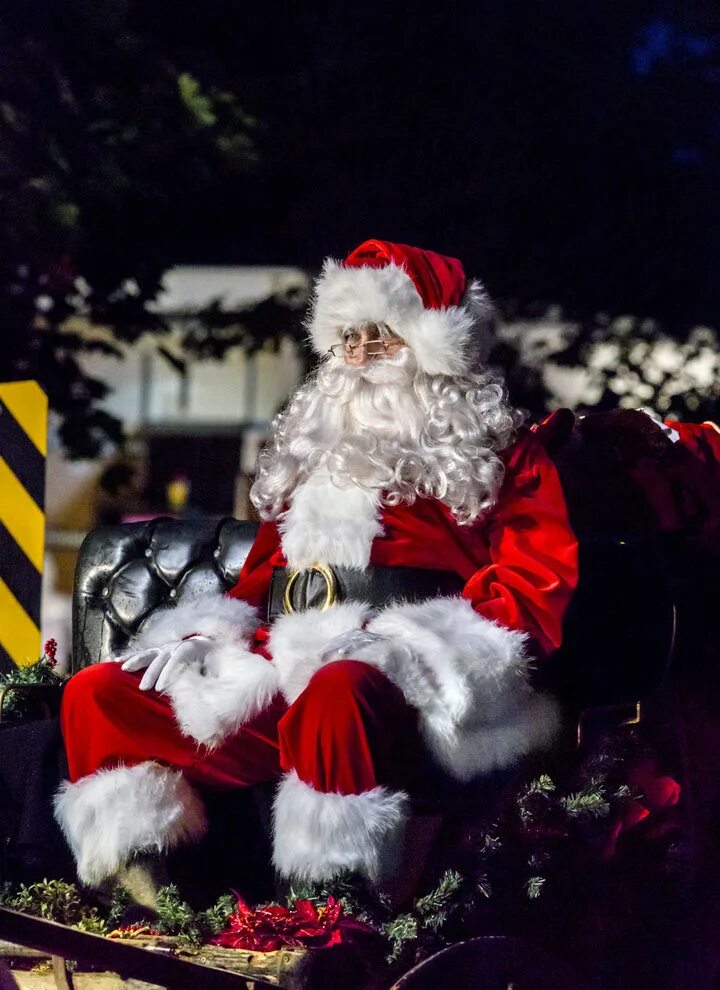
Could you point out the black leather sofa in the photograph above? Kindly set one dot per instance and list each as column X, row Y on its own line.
column 127, row 571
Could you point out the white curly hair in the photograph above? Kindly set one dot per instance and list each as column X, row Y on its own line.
column 387, row 426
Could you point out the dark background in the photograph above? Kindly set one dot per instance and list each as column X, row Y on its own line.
column 568, row 153
column 565, row 151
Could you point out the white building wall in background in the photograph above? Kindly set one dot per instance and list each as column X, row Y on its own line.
column 146, row 390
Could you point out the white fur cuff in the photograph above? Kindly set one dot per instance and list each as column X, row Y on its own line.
column 468, row 677
column 113, row 814
column 213, row 615
column 297, row 642
column 318, row 835
column 213, row 700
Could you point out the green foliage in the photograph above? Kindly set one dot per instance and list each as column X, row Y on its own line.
column 590, row 802
column 114, row 148
column 197, row 103
column 214, row 919
column 55, row 900
column 192, row 928
column 40, row 673
column 438, row 900
column 534, row 886
column 400, row 932
column 351, row 890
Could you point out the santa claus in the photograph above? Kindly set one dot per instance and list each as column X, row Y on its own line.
column 414, row 560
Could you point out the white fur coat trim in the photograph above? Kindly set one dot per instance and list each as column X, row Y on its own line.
column 297, row 642
column 445, row 341
column 214, row 615
column 113, row 814
column 318, row 835
column 214, row 699
column 330, row 524
column 468, row 677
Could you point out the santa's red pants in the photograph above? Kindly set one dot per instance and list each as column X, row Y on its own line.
column 348, row 732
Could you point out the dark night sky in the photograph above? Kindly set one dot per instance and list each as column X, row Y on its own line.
column 564, row 151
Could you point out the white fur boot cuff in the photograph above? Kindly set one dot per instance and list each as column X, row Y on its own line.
column 112, row 814
column 318, row 835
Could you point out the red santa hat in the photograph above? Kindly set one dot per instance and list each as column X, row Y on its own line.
column 424, row 297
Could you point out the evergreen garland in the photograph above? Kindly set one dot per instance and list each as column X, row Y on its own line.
column 55, row 900
column 42, row 673
column 548, row 841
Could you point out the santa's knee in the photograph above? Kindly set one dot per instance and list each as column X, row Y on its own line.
column 95, row 685
column 342, row 731
column 345, row 689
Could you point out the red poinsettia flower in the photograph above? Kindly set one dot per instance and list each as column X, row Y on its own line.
column 658, row 793
column 273, row 926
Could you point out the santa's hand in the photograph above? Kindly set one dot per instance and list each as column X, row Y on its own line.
column 357, row 644
column 192, row 652
column 153, row 661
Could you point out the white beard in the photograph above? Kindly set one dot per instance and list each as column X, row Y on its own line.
column 392, row 432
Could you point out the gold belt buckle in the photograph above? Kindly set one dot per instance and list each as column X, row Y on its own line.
column 331, row 587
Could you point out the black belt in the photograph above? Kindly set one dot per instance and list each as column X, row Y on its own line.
column 321, row 586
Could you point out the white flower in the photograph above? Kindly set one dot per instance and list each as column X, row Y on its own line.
column 703, row 335
column 622, row 326
column 537, row 340
column 44, row 303
column 571, row 386
column 666, row 355
column 638, row 352
column 604, row 355
column 643, row 391
column 653, row 374
column 704, row 369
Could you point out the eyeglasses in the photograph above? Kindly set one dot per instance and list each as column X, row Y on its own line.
column 373, row 348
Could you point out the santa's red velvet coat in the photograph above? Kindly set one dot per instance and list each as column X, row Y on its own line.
column 445, row 680
column 448, row 677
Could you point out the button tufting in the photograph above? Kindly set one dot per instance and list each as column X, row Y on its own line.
column 173, row 593
column 216, row 553
column 105, row 592
column 148, row 552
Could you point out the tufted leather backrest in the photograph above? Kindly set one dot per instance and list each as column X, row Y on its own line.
column 618, row 631
column 127, row 571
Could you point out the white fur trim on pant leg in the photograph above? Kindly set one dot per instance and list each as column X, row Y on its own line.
column 214, row 615
column 214, row 699
column 468, row 677
column 297, row 641
column 318, row 835
column 112, row 814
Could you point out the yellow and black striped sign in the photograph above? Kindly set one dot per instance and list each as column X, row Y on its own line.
column 23, row 446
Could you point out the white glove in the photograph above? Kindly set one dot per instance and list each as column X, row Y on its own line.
column 162, row 664
column 358, row 644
